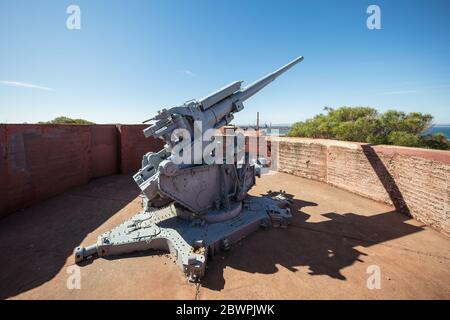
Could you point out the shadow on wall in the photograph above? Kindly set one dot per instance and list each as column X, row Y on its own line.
column 37, row 242
column 386, row 179
column 324, row 247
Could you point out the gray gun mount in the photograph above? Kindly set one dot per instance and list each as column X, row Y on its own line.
column 195, row 209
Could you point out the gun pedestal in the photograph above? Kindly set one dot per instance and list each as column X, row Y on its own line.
column 195, row 209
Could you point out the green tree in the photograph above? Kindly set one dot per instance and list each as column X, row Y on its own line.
column 364, row 124
column 403, row 138
column 66, row 120
column 436, row 141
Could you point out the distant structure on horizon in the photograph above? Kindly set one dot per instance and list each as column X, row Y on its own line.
column 267, row 129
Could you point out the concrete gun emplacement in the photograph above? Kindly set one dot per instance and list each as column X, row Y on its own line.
column 194, row 209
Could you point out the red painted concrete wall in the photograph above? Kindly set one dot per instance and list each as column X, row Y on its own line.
column 104, row 150
column 40, row 161
column 133, row 145
column 3, row 169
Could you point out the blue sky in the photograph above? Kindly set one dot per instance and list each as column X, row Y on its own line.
column 131, row 58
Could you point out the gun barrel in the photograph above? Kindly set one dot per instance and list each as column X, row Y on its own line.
column 253, row 88
column 219, row 95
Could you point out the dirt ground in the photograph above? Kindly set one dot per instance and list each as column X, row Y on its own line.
column 334, row 238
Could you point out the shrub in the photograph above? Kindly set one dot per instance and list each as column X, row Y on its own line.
column 66, row 120
column 436, row 141
column 403, row 138
column 364, row 124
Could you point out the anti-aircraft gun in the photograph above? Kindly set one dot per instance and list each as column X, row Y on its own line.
column 194, row 202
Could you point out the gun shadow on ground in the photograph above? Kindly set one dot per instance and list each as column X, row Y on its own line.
column 325, row 247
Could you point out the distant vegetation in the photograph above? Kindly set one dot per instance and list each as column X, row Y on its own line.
column 363, row 124
column 66, row 120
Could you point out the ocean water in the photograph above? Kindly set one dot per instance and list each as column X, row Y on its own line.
column 444, row 129
column 282, row 131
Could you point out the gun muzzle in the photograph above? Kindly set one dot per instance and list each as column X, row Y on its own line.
column 256, row 86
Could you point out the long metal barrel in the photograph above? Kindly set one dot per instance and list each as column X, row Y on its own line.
column 224, row 108
column 253, row 88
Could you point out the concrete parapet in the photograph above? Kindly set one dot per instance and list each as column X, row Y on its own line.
column 415, row 181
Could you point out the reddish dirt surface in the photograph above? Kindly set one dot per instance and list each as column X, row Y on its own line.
column 334, row 237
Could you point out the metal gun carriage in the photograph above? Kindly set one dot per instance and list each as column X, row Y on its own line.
column 195, row 208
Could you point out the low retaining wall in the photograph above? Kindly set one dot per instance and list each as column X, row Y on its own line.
column 40, row 161
column 133, row 145
column 415, row 181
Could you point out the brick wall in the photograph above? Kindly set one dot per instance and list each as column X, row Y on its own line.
column 313, row 163
column 133, row 145
column 415, row 181
column 40, row 161
column 104, row 150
